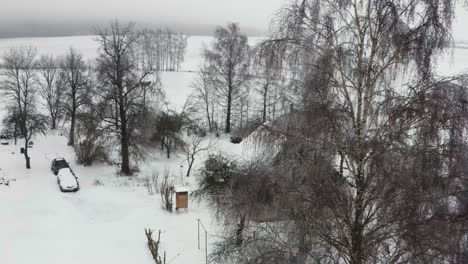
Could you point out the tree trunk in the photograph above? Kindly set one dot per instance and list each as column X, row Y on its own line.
column 54, row 122
column 26, row 156
column 15, row 134
column 240, row 231
column 125, row 169
column 241, row 115
column 168, row 149
column 228, row 114
column 265, row 91
column 214, row 124
column 71, row 136
column 357, row 239
column 190, row 165
column 208, row 117
column 116, row 115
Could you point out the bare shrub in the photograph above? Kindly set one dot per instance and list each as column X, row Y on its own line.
column 153, row 246
column 192, row 148
column 151, row 183
column 87, row 152
column 167, row 192
column 92, row 143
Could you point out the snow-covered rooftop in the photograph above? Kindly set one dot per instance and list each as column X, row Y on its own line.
column 179, row 189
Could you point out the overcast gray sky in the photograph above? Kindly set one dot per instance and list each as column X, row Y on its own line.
column 249, row 13
column 252, row 14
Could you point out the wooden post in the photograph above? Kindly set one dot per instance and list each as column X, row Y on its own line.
column 206, row 239
column 198, row 227
column 206, row 246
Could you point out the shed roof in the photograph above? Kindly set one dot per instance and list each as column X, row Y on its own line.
column 180, row 189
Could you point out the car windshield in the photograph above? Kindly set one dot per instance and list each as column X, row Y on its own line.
column 61, row 163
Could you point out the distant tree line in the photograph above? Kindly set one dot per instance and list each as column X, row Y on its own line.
column 161, row 50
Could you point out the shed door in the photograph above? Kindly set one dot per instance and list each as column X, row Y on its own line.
column 182, row 200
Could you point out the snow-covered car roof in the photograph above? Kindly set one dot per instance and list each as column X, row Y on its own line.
column 66, row 177
column 65, row 172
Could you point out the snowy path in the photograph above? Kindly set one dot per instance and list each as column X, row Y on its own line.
column 98, row 224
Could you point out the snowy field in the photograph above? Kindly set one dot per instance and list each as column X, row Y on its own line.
column 104, row 223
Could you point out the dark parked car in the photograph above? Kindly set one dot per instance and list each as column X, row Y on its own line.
column 236, row 140
column 58, row 164
column 4, row 139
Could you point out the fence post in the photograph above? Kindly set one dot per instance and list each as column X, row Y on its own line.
column 206, row 239
column 206, row 246
column 198, row 229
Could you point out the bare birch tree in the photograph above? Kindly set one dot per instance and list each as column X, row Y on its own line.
column 20, row 86
column 74, row 75
column 203, row 96
column 228, row 60
column 52, row 88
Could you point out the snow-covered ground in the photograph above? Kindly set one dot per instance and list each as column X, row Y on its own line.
column 101, row 223
column 98, row 224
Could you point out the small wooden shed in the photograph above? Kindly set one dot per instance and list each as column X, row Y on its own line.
column 181, row 197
